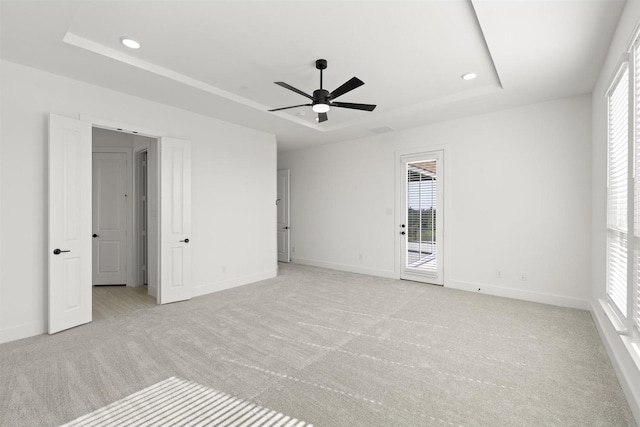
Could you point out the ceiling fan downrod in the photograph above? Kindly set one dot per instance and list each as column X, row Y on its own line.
column 321, row 64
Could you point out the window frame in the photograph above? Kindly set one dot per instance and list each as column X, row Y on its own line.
column 627, row 323
column 614, row 232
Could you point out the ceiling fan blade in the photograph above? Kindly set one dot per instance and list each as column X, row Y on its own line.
column 288, row 86
column 293, row 106
column 366, row 107
column 348, row 86
column 322, row 117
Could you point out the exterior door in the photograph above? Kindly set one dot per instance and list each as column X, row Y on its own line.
column 422, row 213
column 110, row 218
column 69, row 246
column 283, row 216
column 175, row 220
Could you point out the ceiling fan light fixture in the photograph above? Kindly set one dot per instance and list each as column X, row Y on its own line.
column 321, row 108
column 322, row 100
column 130, row 43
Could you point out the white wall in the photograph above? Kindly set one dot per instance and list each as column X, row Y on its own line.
column 628, row 372
column 517, row 198
column 101, row 138
column 230, row 207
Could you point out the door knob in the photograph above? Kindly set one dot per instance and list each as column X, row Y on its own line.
column 58, row 251
column 95, row 235
column 285, row 228
column 185, row 240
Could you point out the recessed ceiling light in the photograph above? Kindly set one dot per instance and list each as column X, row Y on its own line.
column 469, row 76
column 130, row 43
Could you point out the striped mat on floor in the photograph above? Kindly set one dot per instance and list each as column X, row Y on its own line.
column 178, row 402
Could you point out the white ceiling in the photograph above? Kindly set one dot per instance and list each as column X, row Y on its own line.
column 220, row 58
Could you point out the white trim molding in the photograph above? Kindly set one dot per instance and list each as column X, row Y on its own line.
column 345, row 267
column 197, row 291
column 620, row 349
column 520, row 294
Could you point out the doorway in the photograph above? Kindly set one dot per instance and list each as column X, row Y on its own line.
column 282, row 224
column 421, row 207
column 142, row 220
column 70, row 217
column 120, row 218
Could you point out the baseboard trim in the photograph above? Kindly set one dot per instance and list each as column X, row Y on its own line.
column 22, row 331
column 623, row 364
column 232, row 283
column 32, row 329
column 153, row 291
column 345, row 267
column 520, row 294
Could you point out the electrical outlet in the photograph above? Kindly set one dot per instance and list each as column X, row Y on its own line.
column 498, row 274
column 523, row 277
column 293, row 249
column 223, row 269
column 360, row 257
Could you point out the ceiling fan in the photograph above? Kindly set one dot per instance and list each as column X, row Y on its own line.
column 322, row 100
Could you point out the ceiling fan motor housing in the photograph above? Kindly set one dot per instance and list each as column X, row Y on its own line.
column 321, row 96
column 321, row 64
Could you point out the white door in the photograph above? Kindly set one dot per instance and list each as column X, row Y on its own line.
column 283, row 216
column 69, row 245
column 421, row 203
column 175, row 220
column 109, row 218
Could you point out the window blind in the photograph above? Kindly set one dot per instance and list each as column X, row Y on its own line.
column 635, row 283
column 617, row 190
column 421, row 215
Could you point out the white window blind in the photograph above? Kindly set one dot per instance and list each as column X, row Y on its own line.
column 421, row 215
column 617, row 190
column 634, row 287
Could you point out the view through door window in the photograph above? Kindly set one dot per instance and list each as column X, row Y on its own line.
column 421, row 215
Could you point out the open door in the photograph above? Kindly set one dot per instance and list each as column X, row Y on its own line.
column 175, row 220
column 283, row 216
column 69, row 244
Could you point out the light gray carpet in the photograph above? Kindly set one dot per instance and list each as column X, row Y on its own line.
column 179, row 403
column 333, row 349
